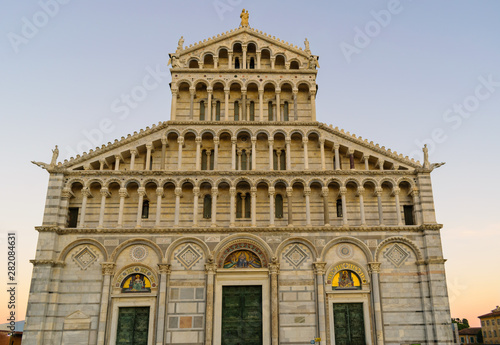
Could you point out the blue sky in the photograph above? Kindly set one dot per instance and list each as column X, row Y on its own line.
column 400, row 73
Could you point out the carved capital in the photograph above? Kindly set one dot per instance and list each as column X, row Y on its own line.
column 178, row 191
column 149, row 146
column 253, row 191
column 164, row 268
column 361, row 190
column 234, row 140
column 396, row 191
column 415, row 192
column 322, row 141
column 336, row 146
column 66, row 193
column 254, row 140
column 215, row 191
column 108, row 268
column 307, row 191
column 271, row 191
column 374, row 267
column 319, row 268
column 271, row 142
column 180, row 140
column 216, row 140
column 288, row 140
column 141, row 191
column 105, row 192
column 159, row 191
column 378, row 191
column 86, row 192
column 196, row 191
column 163, row 141
column 210, row 267
column 343, row 190
column 197, row 140
column 324, row 192
column 123, row 193
column 133, row 152
column 289, row 191
column 305, row 140
column 274, row 269
column 232, row 191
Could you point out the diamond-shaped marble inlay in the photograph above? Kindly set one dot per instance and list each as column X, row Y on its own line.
column 188, row 256
column 397, row 255
column 84, row 258
column 296, row 256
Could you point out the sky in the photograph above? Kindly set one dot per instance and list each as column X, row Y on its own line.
column 401, row 73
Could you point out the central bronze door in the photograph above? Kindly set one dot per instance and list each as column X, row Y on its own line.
column 242, row 315
column 349, row 324
column 133, row 324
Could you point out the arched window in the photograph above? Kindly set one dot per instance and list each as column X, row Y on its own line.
column 217, row 111
column 207, row 206
column 145, row 209
column 252, row 63
column 236, row 111
column 285, row 111
column 339, row 207
column 270, row 116
column 204, row 157
column 243, row 205
column 236, row 63
column 252, row 111
column 202, row 110
column 278, row 206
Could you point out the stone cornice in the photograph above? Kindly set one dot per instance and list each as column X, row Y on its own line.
column 223, row 230
column 244, row 71
column 52, row 263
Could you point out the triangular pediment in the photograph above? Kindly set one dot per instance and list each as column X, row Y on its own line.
column 77, row 315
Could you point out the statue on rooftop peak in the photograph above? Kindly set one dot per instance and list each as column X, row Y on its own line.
column 306, row 43
column 244, row 18
column 180, row 45
column 55, row 154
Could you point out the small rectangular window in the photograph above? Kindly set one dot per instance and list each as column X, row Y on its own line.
column 72, row 217
column 408, row 213
column 339, row 208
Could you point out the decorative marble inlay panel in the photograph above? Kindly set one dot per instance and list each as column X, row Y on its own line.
column 397, row 255
column 345, row 251
column 85, row 257
column 138, row 253
column 295, row 256
column 188, row 256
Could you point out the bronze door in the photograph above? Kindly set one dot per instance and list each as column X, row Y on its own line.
column 133, row 324
column 242, row 315
column 348, row 323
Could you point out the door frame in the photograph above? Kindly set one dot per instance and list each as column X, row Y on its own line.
column 242, row 277
column 132, row 302
column 359, row 297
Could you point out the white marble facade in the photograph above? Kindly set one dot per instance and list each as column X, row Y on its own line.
column 241, row 165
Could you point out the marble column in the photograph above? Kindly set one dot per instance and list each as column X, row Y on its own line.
column 66, row 194
column 233, row 153
column 307, row 195
column 230, row 59
column 133, row 154
column 117, row 162
column 253, row 193
column 86, row 194
column 313, row 105
column 196, row 195
column 164, row 270
column 142, row 192
column 377, row 306
column 273, row 60
column 326, row 211
column 278, row 105
column 209, row 105
column 319, row 271
column 178, row 194
column 271, row 206
column 226, row 104
column 361, row 192
column 192, row 93
column 216, row 153
column 147, row 164
column 261, row 105
column 415, row 193
column 351, row 159
column 289, row 194
column 271, row 154
column 198, row 153
column 210, row 270
column 108, row 269
column 322, row 150
column 381, row 164
column 288, row 157
column 343, row 192
column 173, row 107
column 102, row 164
column 273, row 272
column 258, row 53
column 378, row 193
column 216, row 62
column 337, row 156
column 209, row 160
column 396, row 192
column 244, row 62
column 295, row 108
column 159, row 196
column 123, row 194
column 232, row 206
column 365, row 159
column 180, row 144
column 254, row 153
column 244, row 105
column 215, row 192
column 163, row 153
column 305, row 140
column 104, row 194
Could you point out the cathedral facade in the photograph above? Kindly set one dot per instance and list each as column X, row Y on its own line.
column 241, row 220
